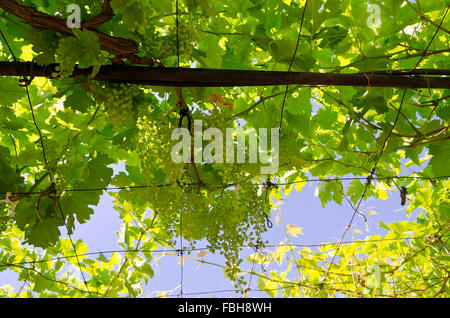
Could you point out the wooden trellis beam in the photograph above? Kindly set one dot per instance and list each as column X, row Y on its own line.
column 165, row 76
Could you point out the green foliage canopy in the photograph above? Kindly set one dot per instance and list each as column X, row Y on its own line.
column 326, row 132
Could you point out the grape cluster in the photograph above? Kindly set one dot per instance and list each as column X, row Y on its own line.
column 187, row 36
column 227, row 211
column 135, row 14
column 161, row 44
column 118, row 101
column 155, row 145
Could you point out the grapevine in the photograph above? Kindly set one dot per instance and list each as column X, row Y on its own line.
column 76, row 131
column 227, row 211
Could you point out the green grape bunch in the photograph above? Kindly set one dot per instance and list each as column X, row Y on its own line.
column 228, row 211
column 135, row 14
column 162, row 43
column 187, row 36
column 118, row 100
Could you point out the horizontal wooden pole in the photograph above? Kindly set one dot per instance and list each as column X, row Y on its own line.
column 195, row 77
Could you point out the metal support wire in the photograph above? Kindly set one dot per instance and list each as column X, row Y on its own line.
column 183, row 113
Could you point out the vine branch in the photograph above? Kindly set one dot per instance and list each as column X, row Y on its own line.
column 121, row 48
column 104, row 16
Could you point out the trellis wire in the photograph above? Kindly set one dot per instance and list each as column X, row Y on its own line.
column 189, row 250
column 148, row 186
column 181, row 258
column 293, row 285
